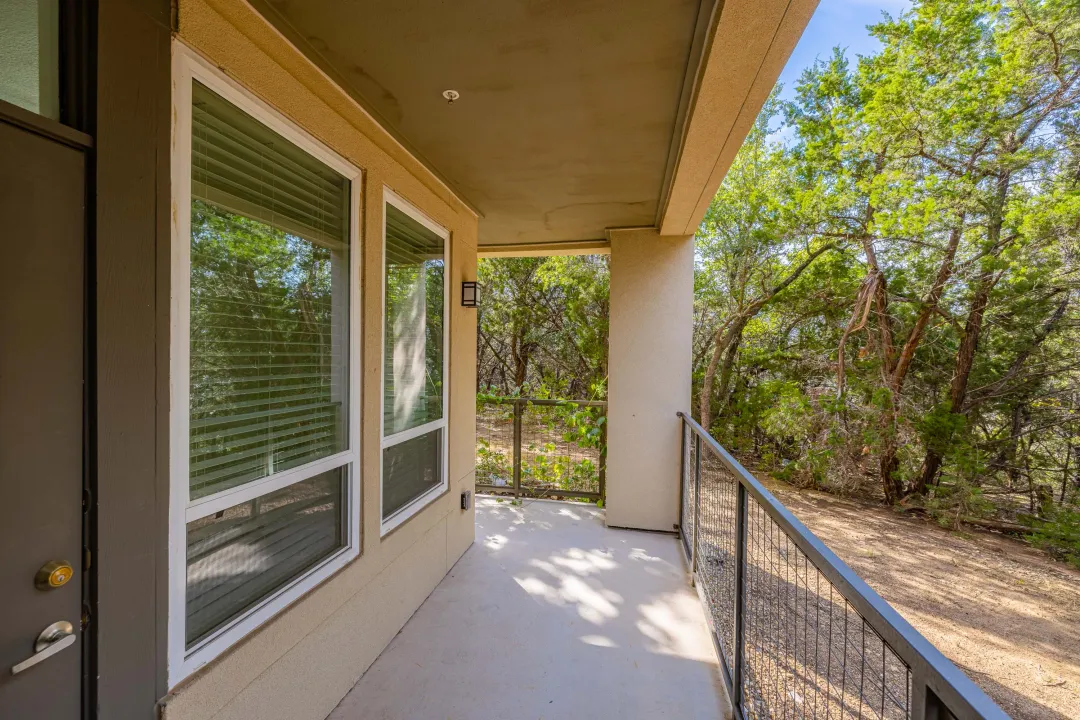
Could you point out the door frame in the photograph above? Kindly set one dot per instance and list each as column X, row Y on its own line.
column 128, row 386
column 74, row 129
column 115, row 104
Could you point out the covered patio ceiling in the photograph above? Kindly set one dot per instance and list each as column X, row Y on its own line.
column 574, row 116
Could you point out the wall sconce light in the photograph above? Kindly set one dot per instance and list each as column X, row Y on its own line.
column 470, row 294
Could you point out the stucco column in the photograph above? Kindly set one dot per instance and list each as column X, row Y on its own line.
column 649, row 369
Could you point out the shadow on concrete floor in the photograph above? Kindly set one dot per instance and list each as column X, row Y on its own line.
column 550, row 615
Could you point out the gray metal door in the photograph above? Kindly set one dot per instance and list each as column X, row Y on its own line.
column 42, row 233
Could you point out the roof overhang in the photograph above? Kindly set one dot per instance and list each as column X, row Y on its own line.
column 572, row 247
column 750, row 44
column 574, row 117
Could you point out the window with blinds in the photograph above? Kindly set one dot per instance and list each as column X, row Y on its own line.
column 269, row 363
column 269, row 301
column 413, row 361
column 414, row 324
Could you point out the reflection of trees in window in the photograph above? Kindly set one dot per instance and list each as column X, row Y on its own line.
column 415, row 292
column 414, row 324
column 268, row 366
column 262, row 351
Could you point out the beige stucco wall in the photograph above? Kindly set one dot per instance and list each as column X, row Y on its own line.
column 301, row 663
column 651, row 331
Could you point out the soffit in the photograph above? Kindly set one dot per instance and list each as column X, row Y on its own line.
column 567, row 109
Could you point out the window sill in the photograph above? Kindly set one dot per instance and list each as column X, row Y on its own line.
column 257, row 617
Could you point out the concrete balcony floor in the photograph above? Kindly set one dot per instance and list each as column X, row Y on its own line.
column 550, row 615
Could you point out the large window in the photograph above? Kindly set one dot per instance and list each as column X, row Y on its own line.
column 265, row 454
column 414, row 362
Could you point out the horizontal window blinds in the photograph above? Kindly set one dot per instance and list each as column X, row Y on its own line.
column 414, row 323
column 242, row 166
column 269, row 302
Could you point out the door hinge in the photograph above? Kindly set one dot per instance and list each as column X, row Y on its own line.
column 86, row 559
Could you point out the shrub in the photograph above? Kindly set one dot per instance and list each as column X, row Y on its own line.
column 1059, row 535
column 953, row 501
column 491, row 464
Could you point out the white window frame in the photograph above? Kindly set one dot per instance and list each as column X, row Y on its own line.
column 419, row 503
column 188, row 66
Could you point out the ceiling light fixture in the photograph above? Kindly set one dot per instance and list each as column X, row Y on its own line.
column 451, row 96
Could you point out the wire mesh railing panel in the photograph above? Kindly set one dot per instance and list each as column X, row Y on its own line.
column 541, row 448
column 807, row 652
column 716, row 540
column 554, row 456
column 799, row 634
column 495, row 444
column 689, row 497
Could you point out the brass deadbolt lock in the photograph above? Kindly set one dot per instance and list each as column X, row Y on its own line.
column 53, row 574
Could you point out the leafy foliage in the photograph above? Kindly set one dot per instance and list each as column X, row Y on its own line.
column 933, row 351
column 543, row 327
column 1059, row 534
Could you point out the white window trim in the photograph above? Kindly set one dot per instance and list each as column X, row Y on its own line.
column 391, row 440
column 419, row 503
column 187, row 66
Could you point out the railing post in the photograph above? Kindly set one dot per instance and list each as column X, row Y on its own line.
column 925, row 705
column 683, row 429
column 697, row 508
column 739, row 650
column 518, row 412
column 920, row 706
column 603, row 460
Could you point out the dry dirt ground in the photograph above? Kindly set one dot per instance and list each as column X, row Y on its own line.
column 1006, row 613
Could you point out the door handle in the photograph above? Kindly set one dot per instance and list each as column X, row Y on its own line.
column 52, row 640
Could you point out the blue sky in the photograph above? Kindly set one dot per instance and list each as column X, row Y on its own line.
column 837, row 22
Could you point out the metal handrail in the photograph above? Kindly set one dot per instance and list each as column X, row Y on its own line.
column 544, row 401
column 939, row 688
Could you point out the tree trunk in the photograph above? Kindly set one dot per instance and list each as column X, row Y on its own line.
column 891, row 483
column 889, row 466
column 1006, row 457
column 889, row 463
column 969, row 343
column 725, row 373
column 705, row 398
column 965, row 360
column 732, row 330
column 1065, row 473
column 519, row 354
column 731, row 335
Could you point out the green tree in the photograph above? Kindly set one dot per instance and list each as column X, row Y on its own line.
column 943, row 173
column 543, row 326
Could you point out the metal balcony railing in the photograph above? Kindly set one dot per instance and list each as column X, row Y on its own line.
column 798, row 633
column 541, row 448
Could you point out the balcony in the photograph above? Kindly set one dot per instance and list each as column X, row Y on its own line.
column 743, row 613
